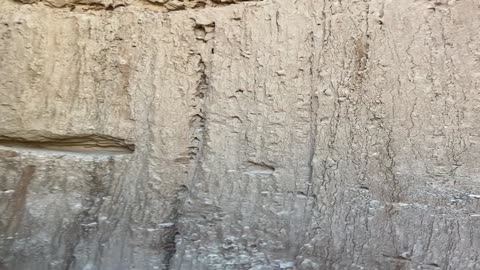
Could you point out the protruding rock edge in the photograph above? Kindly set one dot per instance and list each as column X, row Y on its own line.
column 80, row 144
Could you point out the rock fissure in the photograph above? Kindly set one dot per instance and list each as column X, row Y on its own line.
column 84, row 144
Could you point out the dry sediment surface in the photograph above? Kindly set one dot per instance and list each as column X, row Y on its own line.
column 223, row 134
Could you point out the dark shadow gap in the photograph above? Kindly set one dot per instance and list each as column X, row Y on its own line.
column 82, row 144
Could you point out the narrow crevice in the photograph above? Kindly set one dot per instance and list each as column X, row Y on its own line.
column 169, row 246
column 395, row 195
column 362, row 51
column 259, row 168
column 204, row 35
column 397, row 257
column 197, row 120
column 314, row 104
column 81, row 144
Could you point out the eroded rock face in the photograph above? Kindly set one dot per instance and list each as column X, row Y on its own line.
column 164, row 5
column 239, row 134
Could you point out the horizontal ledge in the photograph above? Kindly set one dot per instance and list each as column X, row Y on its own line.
column 83, row 144
column 164, row 6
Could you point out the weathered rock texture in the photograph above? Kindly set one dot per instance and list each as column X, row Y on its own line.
column 275, row 134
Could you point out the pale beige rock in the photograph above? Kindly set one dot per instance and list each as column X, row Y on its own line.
column 239, row 134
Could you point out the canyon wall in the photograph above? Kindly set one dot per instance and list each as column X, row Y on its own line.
column 224, row 134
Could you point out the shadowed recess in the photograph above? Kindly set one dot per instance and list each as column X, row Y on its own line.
column 259, row 168
column 83, row 144
column 162, row 5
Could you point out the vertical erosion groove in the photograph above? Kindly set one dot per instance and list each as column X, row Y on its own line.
column 204, row 35
column 170, row 244
column 197, row 120
column 314, row 104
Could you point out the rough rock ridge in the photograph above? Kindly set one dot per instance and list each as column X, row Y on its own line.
column 164, row 5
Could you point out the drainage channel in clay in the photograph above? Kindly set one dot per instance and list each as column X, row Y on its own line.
column 85, row 145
